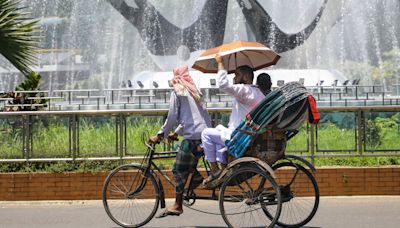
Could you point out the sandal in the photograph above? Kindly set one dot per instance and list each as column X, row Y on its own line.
column 212, row 177
column 166, row 213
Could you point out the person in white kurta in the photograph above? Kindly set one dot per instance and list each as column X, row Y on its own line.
column 247, row 96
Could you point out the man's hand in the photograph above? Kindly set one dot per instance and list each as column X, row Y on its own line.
column 173, row 137
column 219, row 61
column 218, row 58
column 154, row 139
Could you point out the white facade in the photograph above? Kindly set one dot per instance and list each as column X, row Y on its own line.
column 311, row 77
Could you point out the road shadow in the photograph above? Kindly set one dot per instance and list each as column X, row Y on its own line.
column 189, row 227
column 253, row 227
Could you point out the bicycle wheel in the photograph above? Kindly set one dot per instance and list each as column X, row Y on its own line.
column 243, row 196
column 130, row 197
column 300, row 194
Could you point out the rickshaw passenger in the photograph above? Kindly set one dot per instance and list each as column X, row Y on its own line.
column 247, row 96
column 186, row 108
column 264, row 83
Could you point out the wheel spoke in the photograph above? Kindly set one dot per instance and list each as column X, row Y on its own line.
column 242, row 195
column 130, row 198
column 300, row 193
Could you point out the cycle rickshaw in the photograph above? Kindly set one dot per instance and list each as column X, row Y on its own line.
column 249, row 192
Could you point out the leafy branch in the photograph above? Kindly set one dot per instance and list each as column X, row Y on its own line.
column 18, row 42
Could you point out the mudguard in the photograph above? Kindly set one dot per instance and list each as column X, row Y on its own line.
column 302, row 160
column 259, row 162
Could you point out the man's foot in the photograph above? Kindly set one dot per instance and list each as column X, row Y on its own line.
column 167, row 212
column 212, row 177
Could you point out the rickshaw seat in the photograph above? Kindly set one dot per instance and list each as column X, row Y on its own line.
column 267, row 128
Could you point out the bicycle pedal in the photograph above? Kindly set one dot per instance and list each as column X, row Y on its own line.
column 189, row 200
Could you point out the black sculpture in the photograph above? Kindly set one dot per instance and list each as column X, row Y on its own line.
column 268, row 33
column 163, row 38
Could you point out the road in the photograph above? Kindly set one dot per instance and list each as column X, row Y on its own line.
column 359, row 211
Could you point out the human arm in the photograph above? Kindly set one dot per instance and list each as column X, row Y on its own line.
column 241, row 92
column 172, row 118
column 219, row 61
column 173, row 114
column 173, row 136
column 179, row 130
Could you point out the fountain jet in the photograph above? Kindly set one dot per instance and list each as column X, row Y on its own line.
column 162, row 38
column 267, row 32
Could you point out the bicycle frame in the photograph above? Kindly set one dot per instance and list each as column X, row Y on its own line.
column 149, row 166
column 189, row 196
column 249, row 192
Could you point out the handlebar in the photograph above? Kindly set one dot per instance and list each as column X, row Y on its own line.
column 172, row 137
column 145, row 137
column 169, row 140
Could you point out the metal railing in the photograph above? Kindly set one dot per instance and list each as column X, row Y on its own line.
column 116, row 134
column 129, row 98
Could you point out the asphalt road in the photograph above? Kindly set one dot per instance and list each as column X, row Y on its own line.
column 369, row 211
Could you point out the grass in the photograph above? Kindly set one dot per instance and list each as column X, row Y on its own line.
column 357, row 161
column 99, row 136
column 59, row 167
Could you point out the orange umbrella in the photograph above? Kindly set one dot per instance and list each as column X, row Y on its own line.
column 235, row 54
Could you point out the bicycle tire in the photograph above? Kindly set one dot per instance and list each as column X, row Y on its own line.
column 291, row 208
column 127, row 204
column 253, row 200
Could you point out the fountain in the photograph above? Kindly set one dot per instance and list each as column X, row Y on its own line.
column 100, row 43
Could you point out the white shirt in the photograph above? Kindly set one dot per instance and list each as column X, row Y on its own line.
column 246, row 97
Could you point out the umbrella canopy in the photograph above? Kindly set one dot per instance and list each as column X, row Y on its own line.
column 236, row 54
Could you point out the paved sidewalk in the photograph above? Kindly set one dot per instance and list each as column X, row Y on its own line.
column 358, row 211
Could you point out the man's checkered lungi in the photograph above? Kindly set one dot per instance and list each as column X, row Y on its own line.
column 186, row 163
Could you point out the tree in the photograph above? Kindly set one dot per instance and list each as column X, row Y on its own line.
column 18, row 42
column 358, row 70
column 389, row 69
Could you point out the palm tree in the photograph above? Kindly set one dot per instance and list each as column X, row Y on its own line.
column 18, row 42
